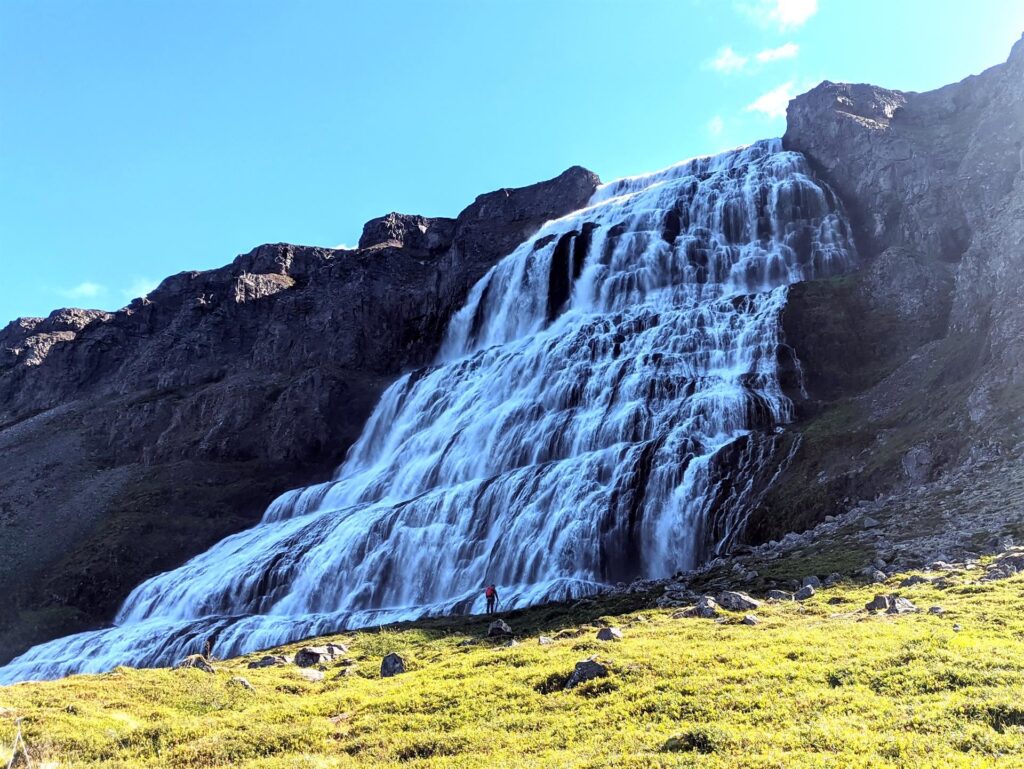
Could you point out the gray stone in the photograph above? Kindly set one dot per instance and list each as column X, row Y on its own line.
column 750, row 619
column 914, row 580
column 706, row 608
column 587, row 670
column 545, row 640
column 308, row 656
column 878, row 603
column 269, row 661
column 778, row 595
column 870, row 523
column 936, row 610
column 734, row 600
column 804, row 593
column 609, row 634
column 197, row 661
column 811, row 581
column 391, row 665
column 244, row 683
column 311, row 675
column 498, row 629
column 899, row 605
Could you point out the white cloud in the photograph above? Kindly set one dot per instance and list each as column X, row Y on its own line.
column 784, row 14
column 84, row 290
column 773, row 104
column 727, row 60
column 716, row 125
column 787, row 51
column 730, row 61
column 343, row 247
column 139, row 287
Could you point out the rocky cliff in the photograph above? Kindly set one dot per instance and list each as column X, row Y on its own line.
column 132, row 440
column 912, row 366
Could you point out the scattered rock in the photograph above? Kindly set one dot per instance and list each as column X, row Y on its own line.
column 836, row 600
column 811, row 581
column 391, row 665
column 244, row 683
column 197, row 661
column 878, row 603
column 778, row 595
column 750, row 619
column 706, row 608
column 269, row 661
column 498, row 629
column 609, row 634
column 870, row 523
column 737, row 601
column 957, row 628
column 879, row 564
column 587, row 670
column 914, row 580
column 899, row 605
column 312, row 675
column 936, row 610
column 467, row 642
column 804, row 593
column 545, row 640
column 877, row 576
column 308, row 656
column 833, row 579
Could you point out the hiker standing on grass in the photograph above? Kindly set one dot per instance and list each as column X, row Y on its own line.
column 491, row 593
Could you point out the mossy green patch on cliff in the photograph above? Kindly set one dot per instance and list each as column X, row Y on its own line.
column 816, row 684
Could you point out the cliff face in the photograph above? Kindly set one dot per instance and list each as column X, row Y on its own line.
column 132, row 440
column 913, row 364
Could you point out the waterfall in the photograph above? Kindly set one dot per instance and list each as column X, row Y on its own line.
column 589, row 419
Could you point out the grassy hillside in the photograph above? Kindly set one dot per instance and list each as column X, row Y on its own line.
column 815, row 684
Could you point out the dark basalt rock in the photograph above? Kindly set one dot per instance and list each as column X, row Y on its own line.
column 133, row 440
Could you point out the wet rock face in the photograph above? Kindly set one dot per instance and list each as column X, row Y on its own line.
column 138, row 438
column 910, row 367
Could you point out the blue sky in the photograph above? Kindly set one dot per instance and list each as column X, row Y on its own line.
column 140, row 139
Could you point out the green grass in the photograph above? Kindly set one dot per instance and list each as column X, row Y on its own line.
column 814, row 685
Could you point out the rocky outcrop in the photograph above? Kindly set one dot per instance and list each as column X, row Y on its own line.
column 133, row 440
column 911, row 366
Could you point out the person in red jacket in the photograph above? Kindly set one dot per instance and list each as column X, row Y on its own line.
column 491, row 593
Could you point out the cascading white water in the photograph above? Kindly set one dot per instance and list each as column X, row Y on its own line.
column 569, row 436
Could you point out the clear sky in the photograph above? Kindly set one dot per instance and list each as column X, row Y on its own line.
column 139, row 139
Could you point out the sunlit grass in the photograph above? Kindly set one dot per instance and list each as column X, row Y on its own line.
column 814, row 685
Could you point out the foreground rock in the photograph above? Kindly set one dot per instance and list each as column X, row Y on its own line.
column 197, row 661
column 737, row 601
column 587, row 670
column 609, row 634
column 498, row 629
column 308, row 656
column 391, row 665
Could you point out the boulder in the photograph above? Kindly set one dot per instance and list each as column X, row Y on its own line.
column 899, row 605
column 312, row 675
column 936, row 610
column 778, row 595
column 804, row 593
column 706, row 608
column 734, row 600
column 498, row 629
column 242, row 682
column 308, row 656
column 914, row 580
column 197, row 661
column 545, row 640
column 878, row 603
column 269, row 661
column 750, row 619
column 587, row 670
column 811, row 581
column 609, row 634
column 391, row 665
column 870, row 523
